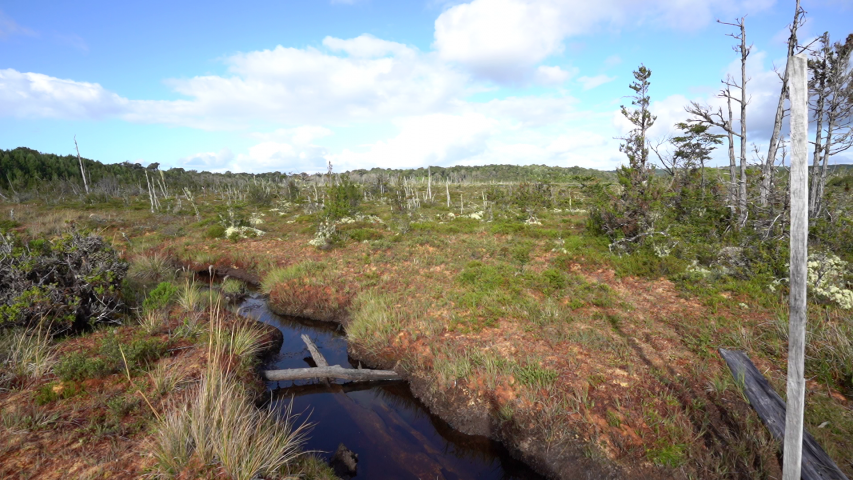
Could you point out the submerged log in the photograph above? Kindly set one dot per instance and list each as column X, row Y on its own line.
column 335, row 371
column 816, row 464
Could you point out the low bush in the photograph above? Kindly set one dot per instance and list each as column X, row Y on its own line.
column 74, row 280
column 160, row 297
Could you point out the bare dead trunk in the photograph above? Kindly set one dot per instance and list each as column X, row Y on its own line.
column 770, row 161
column 82, row 171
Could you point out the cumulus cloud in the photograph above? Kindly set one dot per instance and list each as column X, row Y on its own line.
column 589, row 83
column 34, row 95
column 504, row 40
column 423, row 140
column 283, row 150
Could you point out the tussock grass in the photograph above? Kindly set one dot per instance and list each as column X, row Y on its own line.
column 829, row 346
column 232, row 286
column 373, row 319
column 172, row 444
column 221, row 425
column 151, row 268
column 300, row 270
column 164, row 378
column 151, row 321
column 190, row 297
column 242, row 339
column 26, row 353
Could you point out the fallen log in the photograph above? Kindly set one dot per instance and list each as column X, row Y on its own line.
column 816, row 464
column 318, row 357
column 335, row 371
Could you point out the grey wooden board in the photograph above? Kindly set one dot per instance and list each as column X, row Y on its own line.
column 771, row 409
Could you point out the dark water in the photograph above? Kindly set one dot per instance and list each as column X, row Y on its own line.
column 393, row 434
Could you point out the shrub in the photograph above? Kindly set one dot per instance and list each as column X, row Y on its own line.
column 343, row 198
column 215, row 231
column 159, row 297
column 75, row 281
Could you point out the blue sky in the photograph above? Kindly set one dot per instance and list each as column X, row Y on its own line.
column 291, row 85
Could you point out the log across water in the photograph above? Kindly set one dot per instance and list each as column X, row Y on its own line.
column 334, row 371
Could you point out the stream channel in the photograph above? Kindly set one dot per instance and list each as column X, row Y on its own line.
column 394, row 434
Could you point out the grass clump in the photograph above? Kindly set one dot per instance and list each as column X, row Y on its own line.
column 221, row 424
column 373, row 319
column 26, row 353
column 299, row 270
column 232, row 286
column 190, row 297
column 150, row 268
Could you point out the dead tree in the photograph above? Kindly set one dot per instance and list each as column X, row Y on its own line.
column 82, row 172
column 832, row 87
column 744, row 51
column 769, row 165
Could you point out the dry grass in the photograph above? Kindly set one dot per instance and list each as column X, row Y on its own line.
column 151, row 268
column 221, row 425
column 27, row 353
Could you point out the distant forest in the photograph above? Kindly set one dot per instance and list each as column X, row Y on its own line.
column 24, row 171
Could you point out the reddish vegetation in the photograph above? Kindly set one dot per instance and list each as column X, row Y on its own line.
column 656, row 374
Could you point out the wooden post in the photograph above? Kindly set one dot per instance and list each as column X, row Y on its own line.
column 798, row 92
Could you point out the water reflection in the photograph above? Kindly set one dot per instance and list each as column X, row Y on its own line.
column 392, row 432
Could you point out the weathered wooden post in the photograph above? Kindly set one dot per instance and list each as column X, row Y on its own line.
column 798, row 93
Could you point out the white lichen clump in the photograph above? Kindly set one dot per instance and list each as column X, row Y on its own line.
column 826, row 279
column 256, row 219
column 324, row 236
column 243, row 232
column 532, row 221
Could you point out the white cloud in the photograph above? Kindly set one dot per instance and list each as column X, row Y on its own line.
column 504, row 40
column 547, row 75
column 33, row 95
column 367, row 46
column 589, row 83
column 434, row 139
column 208, row 161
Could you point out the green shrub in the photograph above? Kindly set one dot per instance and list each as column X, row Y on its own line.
column 75, row 280
column 215, row 231
column 342, row 199
column 160, row 297
column 79, row 366
column 362, row 234
column 139, row 353
column 46, row 393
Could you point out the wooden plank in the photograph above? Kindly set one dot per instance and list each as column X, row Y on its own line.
column 816, row 464
column 335, row 371
column 796, row 390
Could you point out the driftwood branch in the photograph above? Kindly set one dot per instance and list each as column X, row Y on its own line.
column 816, row 464
column 335, row 371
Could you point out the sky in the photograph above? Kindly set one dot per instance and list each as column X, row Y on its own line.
column 290, row 86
